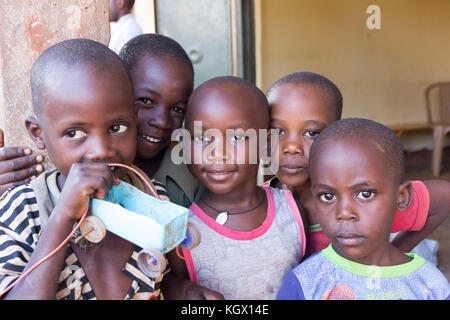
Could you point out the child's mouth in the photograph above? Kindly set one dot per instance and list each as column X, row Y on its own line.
column 151, row 139
column 290, row 169
column 219, row 175
column 350, row 239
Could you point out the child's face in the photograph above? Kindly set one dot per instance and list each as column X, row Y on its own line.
column 299, row 112
column 162, row 86
column 355, row 196
column 89, row 118
column 223, row 107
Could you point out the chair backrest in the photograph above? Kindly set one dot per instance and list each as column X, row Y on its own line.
column 444, row 102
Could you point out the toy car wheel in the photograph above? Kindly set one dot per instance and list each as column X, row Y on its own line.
column 151, row 262
column 193, row 237
column 92, row 229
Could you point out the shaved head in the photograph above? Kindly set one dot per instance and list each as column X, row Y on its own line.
column 57, row 63
column 374, row 134
column 152, row 44
column 249, row 92
column 316, row 80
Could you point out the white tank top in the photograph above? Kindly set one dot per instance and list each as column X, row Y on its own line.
column 248, row 265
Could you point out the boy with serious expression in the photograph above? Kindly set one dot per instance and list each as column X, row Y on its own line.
column 357, row 179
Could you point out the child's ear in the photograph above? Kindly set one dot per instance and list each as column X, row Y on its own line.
column 404, row 196
column 35, row 132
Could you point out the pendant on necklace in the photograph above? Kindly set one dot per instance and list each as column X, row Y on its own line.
column 222, row 218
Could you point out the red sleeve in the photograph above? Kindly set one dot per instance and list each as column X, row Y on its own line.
column 413, row 219
column 317, row 241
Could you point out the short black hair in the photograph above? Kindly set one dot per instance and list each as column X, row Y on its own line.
column 152, row 44
column 69, row 54
column 129, row 4
column 236, row 81
column 306, row 77
column 370, row 131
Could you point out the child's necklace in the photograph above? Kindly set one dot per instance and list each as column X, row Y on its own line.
column 222, row 217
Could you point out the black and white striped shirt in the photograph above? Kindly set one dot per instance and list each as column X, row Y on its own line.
column 20, row 227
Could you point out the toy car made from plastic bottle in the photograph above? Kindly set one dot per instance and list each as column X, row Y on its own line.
column 154, row 225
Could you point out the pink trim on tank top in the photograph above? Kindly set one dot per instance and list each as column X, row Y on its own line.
column 239, row 235
column 227, row 232
column 190, row 265
column 298, row 218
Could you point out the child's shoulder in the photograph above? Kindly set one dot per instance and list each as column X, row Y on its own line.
column 282, row 200
column 311, row 266
column 28, row 201
column 14, row 195
column 434, row 277
column 18, row 203
column 277, row 192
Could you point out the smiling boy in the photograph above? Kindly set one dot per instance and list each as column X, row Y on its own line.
column 163, row 79
column 357, row 179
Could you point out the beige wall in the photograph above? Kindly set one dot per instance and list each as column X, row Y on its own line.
column 144, row 12
column 381, row 73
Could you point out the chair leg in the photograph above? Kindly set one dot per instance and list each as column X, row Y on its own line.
column 438, row 140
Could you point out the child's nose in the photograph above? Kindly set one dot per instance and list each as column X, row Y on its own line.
column 99, row 150
column 293, row 145
column 219, row 152
column 160, row 117
column 346, row 211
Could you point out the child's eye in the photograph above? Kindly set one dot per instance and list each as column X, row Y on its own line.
column 75, row 134
column 146, row 101
column 202, row 138
column 118, row 128
column 238, row 138
column 280, row 131
column 177, row 109
column 365, row 195
column 327, row 197
column 312, row 133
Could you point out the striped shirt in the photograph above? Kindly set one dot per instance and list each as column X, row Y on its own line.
column 20, row 228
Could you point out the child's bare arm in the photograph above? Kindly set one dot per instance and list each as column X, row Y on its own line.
column 439, row 191
column 17, row 165
column 176, row 284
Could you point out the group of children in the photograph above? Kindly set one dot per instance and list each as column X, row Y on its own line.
column 318, row 230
